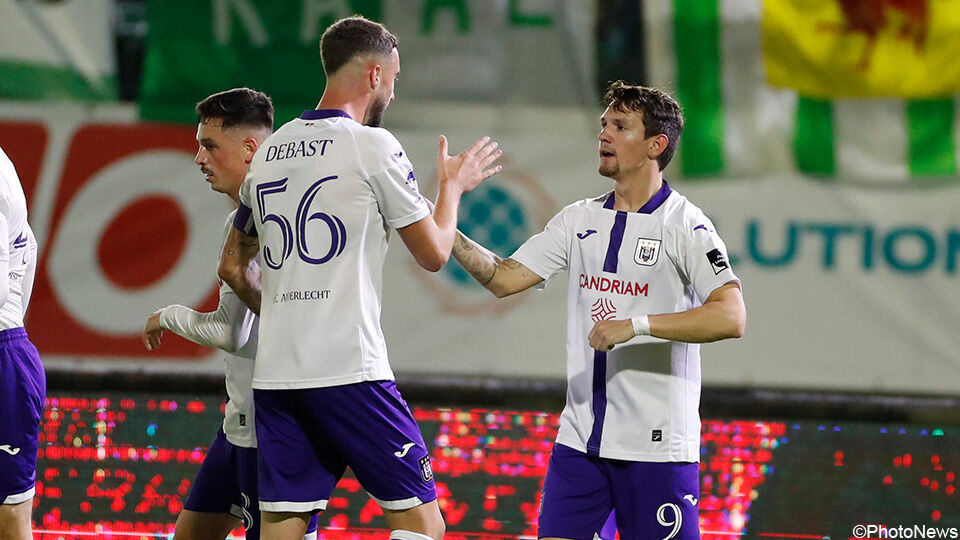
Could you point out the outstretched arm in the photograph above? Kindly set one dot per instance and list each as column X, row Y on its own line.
column 238, row 252
column 228, row 328
column 500, row 276
column 722, row 316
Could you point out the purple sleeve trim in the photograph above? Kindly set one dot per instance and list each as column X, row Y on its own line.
column 243, row 220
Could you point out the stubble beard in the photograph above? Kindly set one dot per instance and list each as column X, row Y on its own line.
column 375, row 112
column 609, row 172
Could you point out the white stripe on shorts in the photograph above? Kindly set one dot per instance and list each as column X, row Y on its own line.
column 290, row 506
column 18, row 498
column 402, row 504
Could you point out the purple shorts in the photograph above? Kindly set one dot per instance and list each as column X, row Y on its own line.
column 23, row 388
column 652, row 500
column 308, row 437
column 227, row 484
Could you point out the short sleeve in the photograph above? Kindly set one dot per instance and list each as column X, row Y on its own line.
column 704, row 259
column 243, row 219
column 546, row 253
column 393, row 182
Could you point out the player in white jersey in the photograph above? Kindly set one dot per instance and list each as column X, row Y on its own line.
column 319, row 201
column 231, row 127
column 23, row 384
column 648, row 281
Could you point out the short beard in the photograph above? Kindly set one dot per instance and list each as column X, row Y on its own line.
column 375, row 112
column 609, row 172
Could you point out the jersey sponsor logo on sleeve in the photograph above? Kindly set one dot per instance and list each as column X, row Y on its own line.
column 718, row 261
column 426, row 470
column 20, row 242
column 585, row 234
column 411, row 181
column 648, row 252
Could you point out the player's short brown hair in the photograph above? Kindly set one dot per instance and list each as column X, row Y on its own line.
column 660, row 112
column 350, row 37
column 238, row 107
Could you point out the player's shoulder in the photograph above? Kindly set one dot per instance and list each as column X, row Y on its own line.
column 376, row 140
column 682, row 214
column 580, row 210
column 379, row 149
column 590, row 204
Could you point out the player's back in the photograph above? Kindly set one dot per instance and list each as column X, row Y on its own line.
column 13, row 205
column 322, row 191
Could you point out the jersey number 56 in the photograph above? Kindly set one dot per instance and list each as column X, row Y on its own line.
column 289, row 238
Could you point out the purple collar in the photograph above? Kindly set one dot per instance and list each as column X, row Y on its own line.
column 648, row 207
column 320, row 114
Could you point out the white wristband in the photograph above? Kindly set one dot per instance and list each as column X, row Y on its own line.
column 641, row 325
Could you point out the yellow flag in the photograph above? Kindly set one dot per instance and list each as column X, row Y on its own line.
column 863, row 48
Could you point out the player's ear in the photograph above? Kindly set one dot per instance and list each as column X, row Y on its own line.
column 250, row 146
column 657, row 144
column 375, row 74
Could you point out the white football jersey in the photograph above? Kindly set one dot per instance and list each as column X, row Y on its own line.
column 238, row 414
column 322, row 193
column 640, row 401
column 16, row 239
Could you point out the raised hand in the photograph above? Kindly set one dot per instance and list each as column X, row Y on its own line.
column 470, row 167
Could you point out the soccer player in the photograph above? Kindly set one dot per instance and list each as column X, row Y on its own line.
column 232, row 125
column 319, row 201
column 23, row 384
column 648, row 281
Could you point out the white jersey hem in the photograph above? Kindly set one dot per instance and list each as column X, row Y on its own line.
column 692, row 455
column 321, row 383
column 242, row 442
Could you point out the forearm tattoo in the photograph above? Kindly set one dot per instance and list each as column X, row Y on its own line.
column 477, row 261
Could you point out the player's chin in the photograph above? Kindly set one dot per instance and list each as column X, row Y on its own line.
column 607, row 170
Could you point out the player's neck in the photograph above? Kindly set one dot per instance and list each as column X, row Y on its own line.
column 634, row 192
column 351, row 102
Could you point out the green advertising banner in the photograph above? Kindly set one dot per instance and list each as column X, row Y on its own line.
column 195, row 49
column 525, row 51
